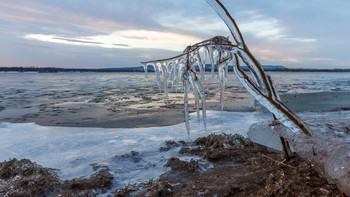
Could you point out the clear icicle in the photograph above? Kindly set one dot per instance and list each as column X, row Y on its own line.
column 201, row 94
column 197, row 106
column 204, row 113
column 157, row 70
column 165, row 79
column 196, row 97
column 187, row 118
column 222, row 85
column 226, row 72
column 145, row 69
column 200, row 65
column 170, row 73
column 210, row 54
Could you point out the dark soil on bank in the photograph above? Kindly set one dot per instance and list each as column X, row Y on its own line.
column 24, row 178
column 241, row 168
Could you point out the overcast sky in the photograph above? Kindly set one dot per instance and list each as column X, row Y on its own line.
column 121, row 33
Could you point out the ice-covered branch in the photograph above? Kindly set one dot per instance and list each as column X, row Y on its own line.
column 182, row 70
column 219, row 51
column 229, row 21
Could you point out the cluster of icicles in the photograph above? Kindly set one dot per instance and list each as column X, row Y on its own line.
column 188, row 70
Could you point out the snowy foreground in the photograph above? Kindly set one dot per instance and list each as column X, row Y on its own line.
column 75, row 151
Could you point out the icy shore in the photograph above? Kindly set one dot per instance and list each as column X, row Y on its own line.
column 76, row 151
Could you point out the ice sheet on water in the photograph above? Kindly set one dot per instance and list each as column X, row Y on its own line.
column 76, row 150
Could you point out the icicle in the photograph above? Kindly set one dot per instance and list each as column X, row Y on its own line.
column 222, row 85
column 192, row 62
column 176, row 76
column 200, row 65
column 196, row 97
column 157, row 70
column 210, row 53
column 182, row 69
column 165, row 80
column 197, row 106
column 204, row 113
column 170, row 73
column 145, row 69
column 226, row 65
column 187, row 118
column 180, row 72
column 207, row 58
column 226, row 70
column 200, row 91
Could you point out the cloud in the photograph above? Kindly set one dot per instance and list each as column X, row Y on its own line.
column 200, row 25
column 321, row 59
column 124, row 39
column 122, row 45
column 70, row 40
column 278, row 32
column 37, row 16
column 345, row 63
column 264, row 27
column 32, row 45
column 287, row 59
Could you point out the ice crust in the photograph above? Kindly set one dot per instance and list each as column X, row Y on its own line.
column 74, row 151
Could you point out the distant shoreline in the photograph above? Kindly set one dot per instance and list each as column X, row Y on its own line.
column 141, row 69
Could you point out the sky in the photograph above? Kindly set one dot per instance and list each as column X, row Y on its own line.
column 121, row 33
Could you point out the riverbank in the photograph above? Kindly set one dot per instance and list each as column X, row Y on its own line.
column 137, row 155
column 240, row 168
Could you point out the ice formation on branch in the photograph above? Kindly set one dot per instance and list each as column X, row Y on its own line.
column 188, row 68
